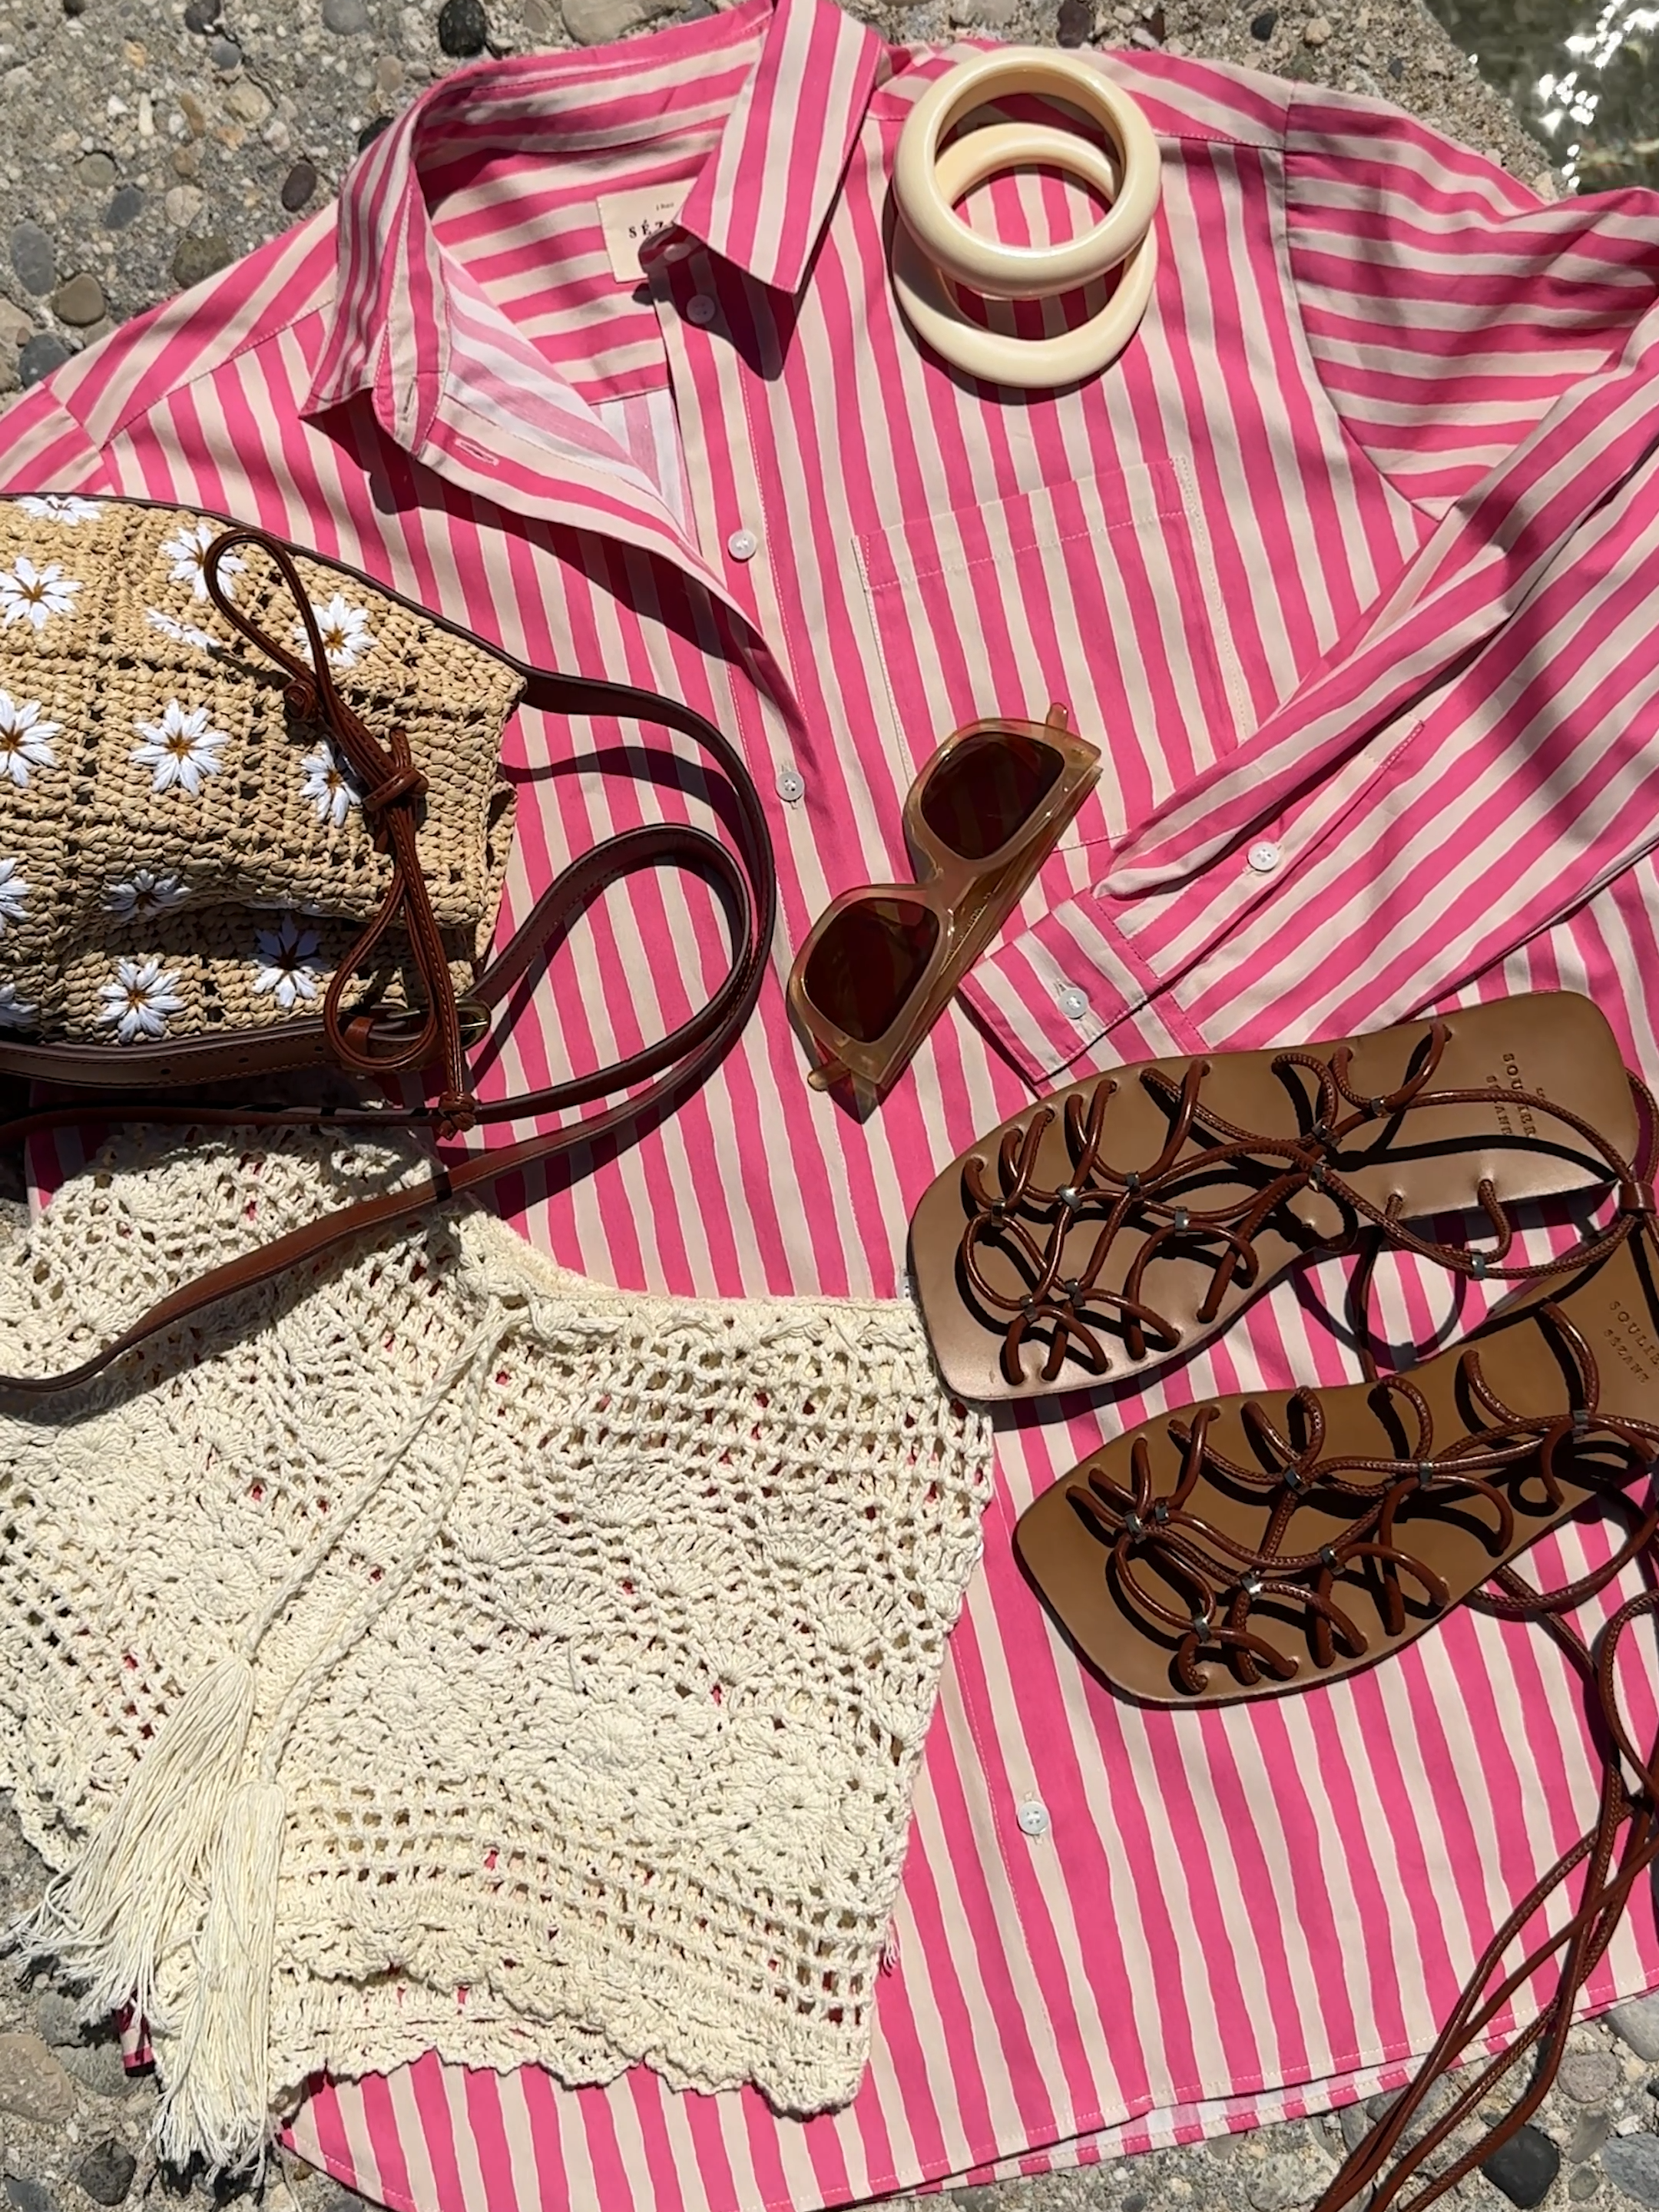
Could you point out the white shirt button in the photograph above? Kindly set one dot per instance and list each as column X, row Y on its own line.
column 1264, row 857
column 743, row 546
column 1033, row 1817
column 1073, row 1003
column 679, row 249
column 792, row 784
column 700, row 308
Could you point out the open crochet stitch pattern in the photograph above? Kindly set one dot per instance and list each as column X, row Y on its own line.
column 443, row 1651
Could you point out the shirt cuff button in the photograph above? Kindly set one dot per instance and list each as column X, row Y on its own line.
column 1264, row 857
column 743, row 546
column 790, row 784
column 1073, row 1003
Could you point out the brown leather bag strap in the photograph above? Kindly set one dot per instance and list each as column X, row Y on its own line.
column 672, row 1068
column 389, row 785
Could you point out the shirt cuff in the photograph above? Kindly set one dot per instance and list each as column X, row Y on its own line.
column 1058, row 992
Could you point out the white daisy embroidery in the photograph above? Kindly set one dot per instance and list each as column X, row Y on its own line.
column 144, row 893
column 179, row 748
column 60, row 506
column 14, row 894
column 287, row 964
column 25, row 739
column 188, row 553
column 16, row 1013
column 346, row 632
column 170, row 626
column 34, row 595
column 328, row 787
column 138, row 999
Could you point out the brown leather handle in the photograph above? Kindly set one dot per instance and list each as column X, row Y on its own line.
column 673, row 1067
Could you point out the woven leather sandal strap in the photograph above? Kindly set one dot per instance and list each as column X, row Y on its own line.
column 1061, row 1289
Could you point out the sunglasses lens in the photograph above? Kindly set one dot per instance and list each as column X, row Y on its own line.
column 868, row 962
column 988, row 789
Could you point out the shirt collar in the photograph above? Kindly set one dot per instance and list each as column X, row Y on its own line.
column 761, row 199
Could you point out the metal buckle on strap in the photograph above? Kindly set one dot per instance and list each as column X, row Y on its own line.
column 473, row 1018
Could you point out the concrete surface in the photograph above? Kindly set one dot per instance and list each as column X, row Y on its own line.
column 144, row 143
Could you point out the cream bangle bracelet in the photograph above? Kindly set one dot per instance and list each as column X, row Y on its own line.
column 933, row 249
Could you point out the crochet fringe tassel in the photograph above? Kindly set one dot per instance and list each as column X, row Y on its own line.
column 109, row 1918
column 216, row 2105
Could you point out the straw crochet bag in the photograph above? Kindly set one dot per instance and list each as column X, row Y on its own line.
column 252, row 820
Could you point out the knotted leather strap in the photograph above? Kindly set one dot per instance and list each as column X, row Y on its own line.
column 671, row 1068
column 390, row 787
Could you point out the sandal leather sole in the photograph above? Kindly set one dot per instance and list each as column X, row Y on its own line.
column 1186, row 1568
column 1030, row 1256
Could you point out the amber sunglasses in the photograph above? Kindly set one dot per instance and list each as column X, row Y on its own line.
column 880, row 964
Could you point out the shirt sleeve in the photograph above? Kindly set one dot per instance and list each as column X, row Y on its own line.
column 44, row 448
column 1467, row 763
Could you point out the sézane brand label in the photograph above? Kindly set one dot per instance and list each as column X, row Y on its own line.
column 628, row 219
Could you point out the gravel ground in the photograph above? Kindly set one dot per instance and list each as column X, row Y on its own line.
column 143, row 144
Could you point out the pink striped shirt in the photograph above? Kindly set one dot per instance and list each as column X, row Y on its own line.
column 1347, row 564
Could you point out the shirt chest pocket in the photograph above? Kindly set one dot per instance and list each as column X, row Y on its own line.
column 1100, row 591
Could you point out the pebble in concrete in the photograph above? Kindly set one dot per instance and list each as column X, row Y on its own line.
column 1632, row 2162
column 79, row 302
column 29, row 2196
column 98, row 2067
column 298, row 186
column 225, row 54
column 1588, row 2137
column 1524, row 2168
column 247, row 103
column 595, row 22
column 95, row 172
column 1283, row 2181
column 33, row 258
column 33, row 2084
column 345, row 18
column 39, row 357
column 126, row 206
column 1075, row 22
column 201, row 16
column 106, row 2173
column 1588, row 2075
column 463, row 28
column 1355, row 2123
column 198, row 258
column 1637, row 2024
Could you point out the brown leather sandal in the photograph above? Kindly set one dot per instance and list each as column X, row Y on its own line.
column 1295, row 1536
column 1264, row 1545
column 1123, row 1221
